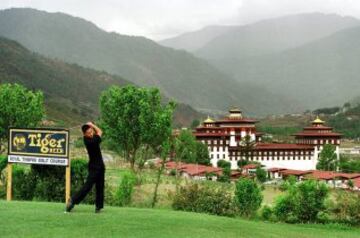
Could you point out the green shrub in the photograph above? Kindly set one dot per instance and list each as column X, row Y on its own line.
column 223, row 164
column 225, row 176
column 266, row 213
column 3, row 162
column 302, row 202
column 172, row 172
column 125, row 190
column 204, row 199
column 46, row 183
column 346, row 207
column 248, row 197
column 261, row 175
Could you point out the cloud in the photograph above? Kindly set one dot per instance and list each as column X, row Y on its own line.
column 158, row 19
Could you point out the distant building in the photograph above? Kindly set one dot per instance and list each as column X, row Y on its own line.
column 226, row 138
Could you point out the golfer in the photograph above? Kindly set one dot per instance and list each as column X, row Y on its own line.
column 92, row 139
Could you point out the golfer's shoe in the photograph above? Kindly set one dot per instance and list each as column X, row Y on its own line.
column 70, row 205
column 98, row 210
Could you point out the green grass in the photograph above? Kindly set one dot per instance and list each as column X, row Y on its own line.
column 38, row 219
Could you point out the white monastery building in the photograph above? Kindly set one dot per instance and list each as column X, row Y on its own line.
column 230, row 139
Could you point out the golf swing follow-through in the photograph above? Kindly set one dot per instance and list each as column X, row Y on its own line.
column 96, row 167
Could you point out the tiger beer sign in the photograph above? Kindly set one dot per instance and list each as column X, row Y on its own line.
column 39, row 146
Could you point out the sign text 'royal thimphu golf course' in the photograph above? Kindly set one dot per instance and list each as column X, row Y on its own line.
column 39, row 146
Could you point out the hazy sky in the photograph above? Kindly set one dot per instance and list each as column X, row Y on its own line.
column 159, row 19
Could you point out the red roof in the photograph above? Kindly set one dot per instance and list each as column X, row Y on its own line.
column 318, row 128
column 236, row 120
column 318, row 134
column 276, row 146
column 294, row 172
column 172, row 165
column 349, row 175
column 251, row 166
column 328, row 175
column 356, row 182
column 195, row 169
column 210, row 134
column 322, row 175
column 275, row 169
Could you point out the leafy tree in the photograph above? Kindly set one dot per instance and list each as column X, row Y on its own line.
column 134, row 118
column 226, row 175
column 349, row 165
column 223, row 164
column 242, row 162
column 260, row 174
column 202, row 154
column 19, row 108
column 185, row 147
column 188, row 150
column 302, row 202
column 226, row 172
column 195, row 123
column 327, row 158
column 248, row 196
column 246, row 147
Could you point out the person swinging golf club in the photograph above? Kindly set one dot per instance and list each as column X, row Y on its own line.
column 96, row 167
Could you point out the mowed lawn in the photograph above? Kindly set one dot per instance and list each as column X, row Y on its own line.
column 40, row 219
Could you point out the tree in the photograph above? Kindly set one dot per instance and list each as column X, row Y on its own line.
column 246, row 147
column 195, row 123
column 223, row 164
column 302, row 202
column 188, row 150
column 248, row 196
column 185, row 147
column 134, row 119
column 327, row 158
column 202, row 154
column 260, row 174
column 19, row 108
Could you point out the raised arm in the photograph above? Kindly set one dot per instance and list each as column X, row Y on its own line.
column 98, row 131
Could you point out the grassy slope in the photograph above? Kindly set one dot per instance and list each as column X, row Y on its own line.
column 33, row 219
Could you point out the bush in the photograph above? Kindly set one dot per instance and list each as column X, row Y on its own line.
column 302, row 202
column 248, row 197
column 266, row 213
column 125, row 190
column 223, row 164
column 346, row 208
column 204, row 199
column 226, row 174
column 261, row 175
column 46, row 183
column 3, row 162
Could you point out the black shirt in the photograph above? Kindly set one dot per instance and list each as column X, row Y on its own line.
column 93, row 148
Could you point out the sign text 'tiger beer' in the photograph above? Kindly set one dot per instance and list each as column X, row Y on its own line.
column 39, row 146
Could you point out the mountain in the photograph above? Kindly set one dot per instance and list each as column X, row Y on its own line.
column 264, row 37
column 71, row 91
column 192, row 41
column 321, row 73
column 311, row 57
column 178, row 74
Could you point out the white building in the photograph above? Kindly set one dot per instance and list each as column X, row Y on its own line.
column 235, row 138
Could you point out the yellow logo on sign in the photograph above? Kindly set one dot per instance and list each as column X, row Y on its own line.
column 19, row 142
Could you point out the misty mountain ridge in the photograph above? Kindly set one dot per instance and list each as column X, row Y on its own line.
column 71, row 92
column 178, row 74
column 312, row 56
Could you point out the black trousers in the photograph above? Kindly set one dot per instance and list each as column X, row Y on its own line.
column 97, row 177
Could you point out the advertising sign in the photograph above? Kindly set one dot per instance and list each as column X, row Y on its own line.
column 39, row 146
